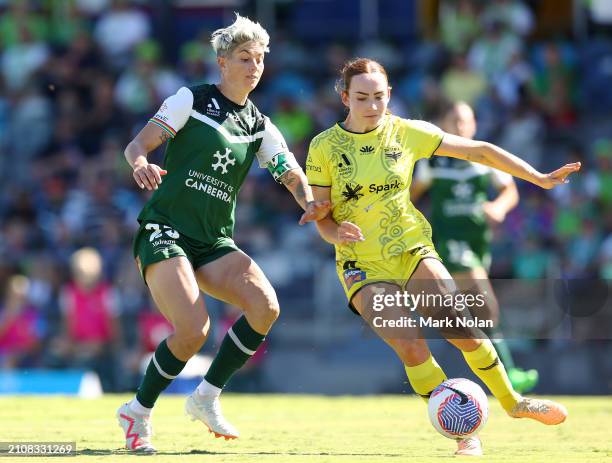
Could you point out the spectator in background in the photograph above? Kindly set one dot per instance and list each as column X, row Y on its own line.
column 294, row 122
column 198, row 61
column 21, row 59
column 459, row 25
column 491, row 53
column 553, row 90
column 460, row 83
column 89, row 309
column 599, row 180
column 19, row 18
column 532, row 260
column 20, row 325
column 119, row 30
column 513, row 14
column 147, row 83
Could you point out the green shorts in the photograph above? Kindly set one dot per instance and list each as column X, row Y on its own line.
column 155, row 242
column 462, row 255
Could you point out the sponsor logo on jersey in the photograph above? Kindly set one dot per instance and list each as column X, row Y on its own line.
column 366, row 149
column 213, row 108
column 210, row 185
column 223, row 160
column 351, row 192
column 313, row 168
column 344, row 166
column 394, row 185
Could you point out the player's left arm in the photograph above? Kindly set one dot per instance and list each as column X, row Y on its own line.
column 280, row 162
column 296, row 182
column 493, row 156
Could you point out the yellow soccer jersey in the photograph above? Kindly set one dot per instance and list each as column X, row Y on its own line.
column 369, row 175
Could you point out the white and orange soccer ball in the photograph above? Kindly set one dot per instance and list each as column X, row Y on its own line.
column 458, row 408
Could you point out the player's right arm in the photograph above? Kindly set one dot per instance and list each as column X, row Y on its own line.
column 330, row 231
column 146, row 175
column 169, row 119
column 320, row 180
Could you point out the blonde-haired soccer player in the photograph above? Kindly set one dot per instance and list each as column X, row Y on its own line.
column 383, row 244
column 184, row 244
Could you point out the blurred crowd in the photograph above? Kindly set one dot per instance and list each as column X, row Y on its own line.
column 79, row 78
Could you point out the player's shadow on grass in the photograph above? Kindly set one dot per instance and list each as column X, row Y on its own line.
column 109, row 452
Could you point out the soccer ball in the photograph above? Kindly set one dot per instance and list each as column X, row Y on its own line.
column 458, row 408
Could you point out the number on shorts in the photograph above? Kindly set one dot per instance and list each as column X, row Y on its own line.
column 157, row 232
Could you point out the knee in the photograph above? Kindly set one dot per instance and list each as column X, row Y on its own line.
column 268, row 313
column 466, row 345
column 410, row 351
column 265, row 312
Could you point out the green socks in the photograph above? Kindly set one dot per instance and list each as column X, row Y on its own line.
column 162, row 369
column 238, row 345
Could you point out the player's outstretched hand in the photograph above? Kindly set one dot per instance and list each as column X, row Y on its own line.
column 559, row 176
column 315, row 210
column 148, row 176
column 349, row 233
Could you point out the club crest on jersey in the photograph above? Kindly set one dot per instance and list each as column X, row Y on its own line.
column 393, row 153
column 213, row 108
column 223, row 160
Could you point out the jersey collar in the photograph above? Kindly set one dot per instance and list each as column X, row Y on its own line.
column 365, row 134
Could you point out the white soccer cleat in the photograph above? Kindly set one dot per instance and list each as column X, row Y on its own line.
column 470, row 446
column 208, row 411
column 137, row 429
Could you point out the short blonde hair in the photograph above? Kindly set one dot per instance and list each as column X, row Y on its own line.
column 225, row 40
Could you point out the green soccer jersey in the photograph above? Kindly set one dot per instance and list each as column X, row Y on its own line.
column 214, row 142
column 458, row 190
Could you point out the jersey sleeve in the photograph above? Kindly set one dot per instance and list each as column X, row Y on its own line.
column 317, row 167
column 273, row 152
column 174, row 112
column 500, row 179
column 424, row 137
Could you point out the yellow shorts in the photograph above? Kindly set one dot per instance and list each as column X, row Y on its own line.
column 354, row 274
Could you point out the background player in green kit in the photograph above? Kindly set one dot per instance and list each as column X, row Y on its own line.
column 184, row 244
column 461, row 219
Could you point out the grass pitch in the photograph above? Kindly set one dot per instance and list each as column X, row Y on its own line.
column 297, row 429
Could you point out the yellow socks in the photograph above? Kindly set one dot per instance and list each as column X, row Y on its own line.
column 486, row 365
column 425, row 377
